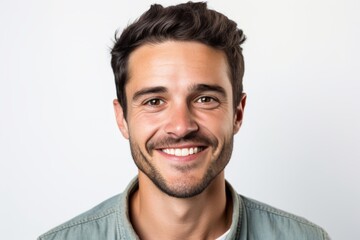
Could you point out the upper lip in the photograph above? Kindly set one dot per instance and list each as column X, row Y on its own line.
column 182, row 146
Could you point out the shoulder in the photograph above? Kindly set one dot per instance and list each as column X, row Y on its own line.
column 284, row 225
column 89, row 224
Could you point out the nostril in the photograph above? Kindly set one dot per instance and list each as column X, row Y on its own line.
column 181, row 126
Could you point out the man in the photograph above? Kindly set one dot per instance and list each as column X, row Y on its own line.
column 178, row 74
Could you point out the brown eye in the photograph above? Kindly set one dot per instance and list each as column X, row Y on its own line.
column 206, row 102
column 205, row 99
column 154, row 102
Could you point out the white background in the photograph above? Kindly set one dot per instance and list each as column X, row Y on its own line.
column 61, row 152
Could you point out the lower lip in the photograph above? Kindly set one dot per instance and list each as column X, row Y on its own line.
column 188, row 158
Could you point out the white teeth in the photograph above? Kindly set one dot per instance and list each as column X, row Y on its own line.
column 177, row 152
column 184, row 152
column 181, row 152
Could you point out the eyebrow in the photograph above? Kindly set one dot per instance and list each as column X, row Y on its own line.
column 149, row 90
column 207, row 87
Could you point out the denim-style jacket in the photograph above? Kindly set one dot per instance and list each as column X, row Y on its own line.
column 251, row 220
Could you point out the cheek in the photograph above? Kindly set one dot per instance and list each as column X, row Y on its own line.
column 219, row 124
column 143, row 126
column 220, row 130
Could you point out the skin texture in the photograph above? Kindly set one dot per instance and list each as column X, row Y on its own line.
column 179, row 99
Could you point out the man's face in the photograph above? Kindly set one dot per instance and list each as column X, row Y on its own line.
column 180, row 119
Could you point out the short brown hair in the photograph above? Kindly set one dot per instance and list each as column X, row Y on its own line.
column 184, row 22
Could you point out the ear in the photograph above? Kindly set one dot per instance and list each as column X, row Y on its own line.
column 239, row 113
column 120, row 119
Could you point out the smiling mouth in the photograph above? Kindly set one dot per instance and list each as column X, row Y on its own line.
column 182, row 152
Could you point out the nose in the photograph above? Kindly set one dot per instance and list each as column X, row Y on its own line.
column 181, row 121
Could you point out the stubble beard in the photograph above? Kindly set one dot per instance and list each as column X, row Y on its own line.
column 185, row 188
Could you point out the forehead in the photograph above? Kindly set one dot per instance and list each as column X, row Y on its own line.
column 176, row 62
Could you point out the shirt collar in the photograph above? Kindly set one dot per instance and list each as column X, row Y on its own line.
column 128, row 231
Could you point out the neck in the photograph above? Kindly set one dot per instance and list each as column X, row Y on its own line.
column 156, row 215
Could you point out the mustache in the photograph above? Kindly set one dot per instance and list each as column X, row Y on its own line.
column 193, row 138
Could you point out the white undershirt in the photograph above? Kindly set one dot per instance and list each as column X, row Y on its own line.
column 222, row 237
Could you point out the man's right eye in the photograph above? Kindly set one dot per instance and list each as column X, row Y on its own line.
column 154, row 102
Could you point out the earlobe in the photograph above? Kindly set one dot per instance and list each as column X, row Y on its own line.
column 120, row 119
column 239, row 113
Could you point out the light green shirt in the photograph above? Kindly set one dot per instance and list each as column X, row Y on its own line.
column 251, row 220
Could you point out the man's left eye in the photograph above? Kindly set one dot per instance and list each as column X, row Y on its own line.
column 205, row 99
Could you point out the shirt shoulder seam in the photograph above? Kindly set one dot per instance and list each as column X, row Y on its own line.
column 84, row 220
column 265, row 208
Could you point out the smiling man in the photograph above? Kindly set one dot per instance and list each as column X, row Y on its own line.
column 178, row 73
